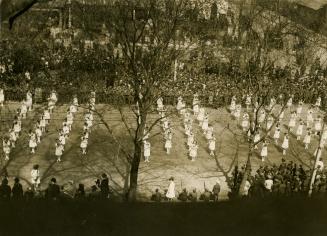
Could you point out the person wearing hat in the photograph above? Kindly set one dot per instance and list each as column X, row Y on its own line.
column 183, row 195
column 193, row 196
column 5, row 190
column 35, row 176
column 17, row 190
column 171, row 190
column 156, row 197
column 269, row 183
column 53, row 190
column 104, row 186
column 216, row 191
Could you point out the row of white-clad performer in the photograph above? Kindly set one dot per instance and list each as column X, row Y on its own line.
column 42, row 123
column 88, row 123
column 166, row 126
column 65, row 130
column 9, row 141
column 313, row 126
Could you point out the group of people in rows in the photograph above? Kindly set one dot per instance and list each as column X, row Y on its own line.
column 286, row 179
column 40, row 127
column 10, row 139
column 271, row 116
column 42, row 123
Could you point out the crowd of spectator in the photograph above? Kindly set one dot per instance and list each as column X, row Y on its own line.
column 54, row 191
column 286, row 180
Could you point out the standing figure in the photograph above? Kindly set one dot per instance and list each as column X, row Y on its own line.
column 32, row 142
column 310, row 116
column 171, row 190
column 84, row 144
column 292, row 122
column 318, row 125
column 6, row 146
column 318, row 102
column 264, row 151
column 147, row 151
column 2, row 97
column 277, row 134
column 29, row 101
column 307, row 139
column 245, row 122
column 168, row 145
column 299, row 130
column 59, row 150
column 35, row 177
column 12, row 137
column 212, row 146
column 193, row 150
column 205, row 123
column 285, row 144
column 232, row 104
column 196, row 105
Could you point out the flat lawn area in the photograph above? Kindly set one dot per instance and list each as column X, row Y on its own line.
column 105, row 156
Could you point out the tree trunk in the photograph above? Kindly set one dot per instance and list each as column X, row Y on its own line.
column 133, row 176
column 138, row 142
column 247, row 172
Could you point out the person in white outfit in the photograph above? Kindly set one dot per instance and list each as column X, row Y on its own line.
column 299, row 130
column 285, row 144
column 147, row 151
column 212, row 146
column 307, row 139
column 264, row 151
column 2, row 97
column 84, row 144
column 171, row 190
column 35, row 177
column 59, row 150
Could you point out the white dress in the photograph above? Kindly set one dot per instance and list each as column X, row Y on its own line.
column 205, row 124
column 2, row 96
column 32, row 141
column 318, row 125
column 245, row 122
column 299, row 130
column 147, row 149
column 35, row 176
column 277, row 134
column 168, row 144
column 256, row 138
column 171, row 190
column 292, row 123
column 201, row 115
column 289, row 102
column 307, row 139
column 84, row 143
column 264, row 151
column 59, row 150
column 193, row 151
column 285, row 143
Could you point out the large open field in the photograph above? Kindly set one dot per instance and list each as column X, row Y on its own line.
column 105, row 156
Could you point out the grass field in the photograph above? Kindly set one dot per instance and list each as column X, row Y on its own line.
column 104, row 156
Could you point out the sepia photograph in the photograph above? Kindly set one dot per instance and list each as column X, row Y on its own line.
column 163, row 117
